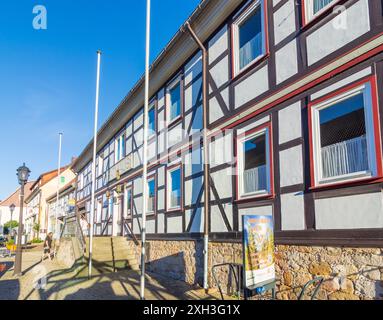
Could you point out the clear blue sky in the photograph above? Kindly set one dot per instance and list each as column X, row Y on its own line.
column 47, row 77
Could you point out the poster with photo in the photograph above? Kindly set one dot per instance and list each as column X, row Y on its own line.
column 258, row 249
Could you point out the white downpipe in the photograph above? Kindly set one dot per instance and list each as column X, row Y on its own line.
column 57, row 233
column 205, row 261
column 92, row 199
column 145, row 147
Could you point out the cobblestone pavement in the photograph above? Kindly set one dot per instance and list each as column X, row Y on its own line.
column 48, row 280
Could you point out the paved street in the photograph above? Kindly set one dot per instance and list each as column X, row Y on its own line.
column 62, row 284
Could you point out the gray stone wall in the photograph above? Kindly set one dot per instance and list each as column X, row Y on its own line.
column 350, row 273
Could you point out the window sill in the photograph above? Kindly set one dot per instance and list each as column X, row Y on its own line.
column 173, row 210
column 263, row 196
column 236, row 75
column 344, row 183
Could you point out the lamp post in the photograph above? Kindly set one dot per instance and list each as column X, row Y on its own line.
column 22, row 175
column 12, row 208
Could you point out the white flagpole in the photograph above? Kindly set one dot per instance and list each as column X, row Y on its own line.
column 57, row 233
column 92, row 200
column 145, row 147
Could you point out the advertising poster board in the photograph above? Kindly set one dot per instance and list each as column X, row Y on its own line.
column 258, row 250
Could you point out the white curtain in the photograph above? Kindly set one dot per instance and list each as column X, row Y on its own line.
column 255, row 179
column 175, row 200
column 250, row 50
column 320, row 4
column 345, row 157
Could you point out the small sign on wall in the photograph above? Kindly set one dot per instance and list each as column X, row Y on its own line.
column 258, row 250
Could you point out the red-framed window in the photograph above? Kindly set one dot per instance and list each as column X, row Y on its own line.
column 345, row 138
column 174, row 188
column 254, row 165
column 249, row 37
column 313, row 9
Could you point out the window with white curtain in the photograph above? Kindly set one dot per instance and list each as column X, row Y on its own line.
column 174, row 188
column 254, row 164
column 343, row 136
column 314, row 8
column 249, row 36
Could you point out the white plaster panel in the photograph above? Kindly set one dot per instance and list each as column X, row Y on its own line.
column 293, row 212
column 218, row 44
column 137, row 157
column 161, row 223
column 215, row 111
column 192, row 190
column 139, row 120
column 175, row 135
column 161, row 142
column 332, row 37
column 351, row 212
column 193, row 162
column 137, row 185
column 284, row 21
column 290, row 123
column 152, row 149
column 252, row 87
column 161, row 120
column 161, row 199
column 217, row 222
column 161, row 176
column 291, row 166
column 151, row 226
column 174, row 225
column 223, row 183
column 129, row 128
column 286, row 62
column 342, row 83
column 220, row 73
column 136, row 227
column 193, row 94
column 221, row 150
column 193, row 68
column 261, row 211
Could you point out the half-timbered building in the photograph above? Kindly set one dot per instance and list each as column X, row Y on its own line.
column 294, row 126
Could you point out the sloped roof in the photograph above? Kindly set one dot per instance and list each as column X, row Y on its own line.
column 14, row 198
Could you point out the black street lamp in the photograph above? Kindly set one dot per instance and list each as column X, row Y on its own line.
column 22, row 175
column 12, row 208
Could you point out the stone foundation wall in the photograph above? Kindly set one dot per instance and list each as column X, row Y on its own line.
column 350, row 273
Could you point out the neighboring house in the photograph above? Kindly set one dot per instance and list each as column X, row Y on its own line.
column 13, row 199
column 66, row 205
column 41, row 190
column 295, row 119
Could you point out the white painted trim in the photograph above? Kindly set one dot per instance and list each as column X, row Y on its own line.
column 366, row 90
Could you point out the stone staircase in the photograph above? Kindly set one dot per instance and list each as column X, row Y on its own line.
column 111, row 254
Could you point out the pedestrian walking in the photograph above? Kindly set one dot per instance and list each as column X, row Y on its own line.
column 48, row 247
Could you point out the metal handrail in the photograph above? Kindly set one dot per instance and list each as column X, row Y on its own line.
column 320, row 282
column 232, row 267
